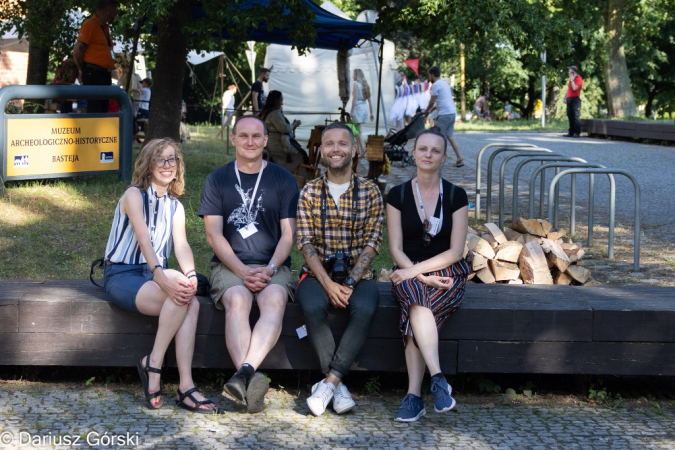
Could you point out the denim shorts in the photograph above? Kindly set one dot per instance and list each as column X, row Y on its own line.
column 123, row 281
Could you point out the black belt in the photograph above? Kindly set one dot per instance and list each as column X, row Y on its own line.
column 96, row 67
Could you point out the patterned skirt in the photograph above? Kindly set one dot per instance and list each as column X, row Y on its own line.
column 442, row 303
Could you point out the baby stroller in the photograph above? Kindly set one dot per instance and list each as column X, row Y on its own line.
column 395, row 144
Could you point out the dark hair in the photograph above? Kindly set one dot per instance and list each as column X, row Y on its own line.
column 339, row 126
column 264, row 70
column 234, row 128
column 147, row 81
column 435, row 71
column 436, row 132
column 104, row 3
column 272, row 103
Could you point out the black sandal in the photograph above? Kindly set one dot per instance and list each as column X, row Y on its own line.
column 180, row 402
column 143, row 372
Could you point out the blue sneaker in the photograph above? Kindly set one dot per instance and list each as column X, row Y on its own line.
column 412, row 408
column 441, row 391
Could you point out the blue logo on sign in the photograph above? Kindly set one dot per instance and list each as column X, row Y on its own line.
column 21, row 161
column 107, row 157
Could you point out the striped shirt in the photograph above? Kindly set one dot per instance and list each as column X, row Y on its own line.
column 158, row 213
column 339, row 233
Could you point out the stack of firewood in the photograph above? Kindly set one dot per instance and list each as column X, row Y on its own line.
column 529, row 252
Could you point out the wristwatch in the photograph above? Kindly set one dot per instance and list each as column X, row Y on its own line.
column 350, row 282
column 274, row 268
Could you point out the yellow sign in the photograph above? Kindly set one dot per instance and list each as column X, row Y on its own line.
column 69, row 145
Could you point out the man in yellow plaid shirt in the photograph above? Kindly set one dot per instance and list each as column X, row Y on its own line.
column 339, row 222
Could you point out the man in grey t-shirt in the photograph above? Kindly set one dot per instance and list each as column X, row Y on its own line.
column 441, row 99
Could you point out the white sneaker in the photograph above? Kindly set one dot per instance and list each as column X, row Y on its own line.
column 342, row 400
column 320, row 398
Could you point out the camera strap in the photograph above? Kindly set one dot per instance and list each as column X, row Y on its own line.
column 324, row 208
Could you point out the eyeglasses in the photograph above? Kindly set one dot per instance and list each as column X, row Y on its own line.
column 161, row 162
column 426, row 237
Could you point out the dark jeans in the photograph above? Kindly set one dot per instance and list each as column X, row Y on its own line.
column 574, row 115
column 315, row 304
column 92, row 76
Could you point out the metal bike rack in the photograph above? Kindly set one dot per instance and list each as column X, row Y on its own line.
column 502, row 170
column 478, row 173
column 488, row 203
column 516, row 176
column 591, row 195
column 612, row 195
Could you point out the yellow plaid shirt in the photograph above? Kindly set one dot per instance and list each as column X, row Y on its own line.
column 339, row 234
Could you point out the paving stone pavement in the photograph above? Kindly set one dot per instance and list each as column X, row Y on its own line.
column 49, row 416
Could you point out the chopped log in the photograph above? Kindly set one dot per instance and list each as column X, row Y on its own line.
column 384, row 276
column 532, row 226
column 466, row 249
column 513, row 235
column 578, row 273
column 481, row 246
column 560, row 278
column 555, row 254
column 496, row 233
column 518, row 281
column 545, row 226
column 592, row 282
column 490, row 239
column 508, row 251
column 533, row 265
column 504, row 271
column 470, row 276
column 471, row 231
column 556, row 233
column 573, row 251
column 485, row 275
column 477, row 262
column 531, row 238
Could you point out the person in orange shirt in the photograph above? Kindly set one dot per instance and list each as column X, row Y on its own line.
column 573, row 101
column 93, row 52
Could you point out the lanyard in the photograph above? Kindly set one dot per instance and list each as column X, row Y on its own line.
column 241, row 190
column 419, row 198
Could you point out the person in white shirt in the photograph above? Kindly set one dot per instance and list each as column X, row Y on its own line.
column 441, row 99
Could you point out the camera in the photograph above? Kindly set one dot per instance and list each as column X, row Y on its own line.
column 337, row 266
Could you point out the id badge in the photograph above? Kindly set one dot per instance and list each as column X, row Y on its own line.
column 248, row 231
column 435, row 226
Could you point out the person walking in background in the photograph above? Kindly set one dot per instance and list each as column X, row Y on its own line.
column 441, row 100
column 93, row 51
column 362, row 108
column 427, row 220
column 508, row 110
column 258, row 92
column 147, row 219
column 144, row 94
column 228, row 104
column 481, row 109
column 573, row 100
column 249, row 208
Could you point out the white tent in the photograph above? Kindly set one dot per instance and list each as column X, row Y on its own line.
column 310, row 84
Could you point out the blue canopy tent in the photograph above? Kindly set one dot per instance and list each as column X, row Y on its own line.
column 332, row 32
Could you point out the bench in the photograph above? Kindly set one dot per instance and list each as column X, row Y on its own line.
column 657, row 131
column 499, row 329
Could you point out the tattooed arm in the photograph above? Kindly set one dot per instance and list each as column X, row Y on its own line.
column 363, row 263
column 337, row 293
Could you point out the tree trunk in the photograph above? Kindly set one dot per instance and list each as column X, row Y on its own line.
column 651, row 95
column 38, row 64
column 620, row 100
column 167, row 86
column 552, row 99
column 529, row 109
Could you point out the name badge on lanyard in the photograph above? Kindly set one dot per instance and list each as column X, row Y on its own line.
column 250, row 229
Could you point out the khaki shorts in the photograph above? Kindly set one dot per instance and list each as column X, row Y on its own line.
column 222, row 279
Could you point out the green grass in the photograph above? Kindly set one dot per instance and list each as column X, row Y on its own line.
column 56, row 228
column 514, row 125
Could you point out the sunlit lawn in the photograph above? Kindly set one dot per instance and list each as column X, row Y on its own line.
column 55, row 228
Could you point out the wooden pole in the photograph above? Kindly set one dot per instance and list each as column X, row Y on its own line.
column 462, row 80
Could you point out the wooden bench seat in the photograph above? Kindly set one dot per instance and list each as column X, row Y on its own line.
column 499, row 329
column 657, row 131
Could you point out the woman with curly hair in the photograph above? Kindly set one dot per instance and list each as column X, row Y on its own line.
column 148, row 217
